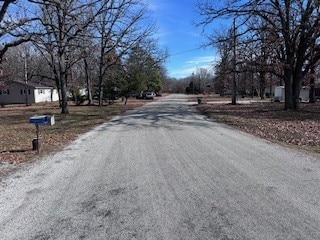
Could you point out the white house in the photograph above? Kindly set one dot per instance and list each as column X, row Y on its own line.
column 13, row 92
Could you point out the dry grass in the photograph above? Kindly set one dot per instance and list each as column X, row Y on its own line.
column 264, row 119
column 268, row 120
column 16, row 133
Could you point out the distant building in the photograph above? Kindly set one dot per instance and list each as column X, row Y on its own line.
column 15, row 92
column 279, row 94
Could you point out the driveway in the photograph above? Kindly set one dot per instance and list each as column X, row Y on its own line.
column 163, row 171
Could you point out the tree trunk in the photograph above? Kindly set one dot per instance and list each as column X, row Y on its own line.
column 90, row 101
column 58, row 89
column 289, row 105
column 101, row 65
column 312, row 96
column 63, row 82
column 100, row 93
column 262, row 85
column 296, row 88
column 234, row 80
column 252, row 84
column 296, row 97
column 101, row 71
column 64, row 97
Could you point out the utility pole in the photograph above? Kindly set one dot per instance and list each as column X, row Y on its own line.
column 192, row 82
column 26, row 77
column 234, row 82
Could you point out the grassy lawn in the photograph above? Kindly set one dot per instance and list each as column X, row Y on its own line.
column 16, row 133
column 268, row 120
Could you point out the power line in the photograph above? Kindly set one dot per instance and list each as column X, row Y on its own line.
column 182, row 52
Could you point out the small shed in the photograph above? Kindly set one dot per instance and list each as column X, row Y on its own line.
column 279, row 94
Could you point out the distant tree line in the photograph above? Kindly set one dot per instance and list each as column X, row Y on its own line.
column 198, row 82
column 106, row 46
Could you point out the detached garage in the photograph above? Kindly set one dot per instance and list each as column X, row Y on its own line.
column 16, row 92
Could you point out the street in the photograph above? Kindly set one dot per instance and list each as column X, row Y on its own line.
column 163, row 171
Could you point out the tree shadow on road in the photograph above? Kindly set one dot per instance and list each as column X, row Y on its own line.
column 154, row 116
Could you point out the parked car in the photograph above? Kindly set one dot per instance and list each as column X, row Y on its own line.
column 149, row 95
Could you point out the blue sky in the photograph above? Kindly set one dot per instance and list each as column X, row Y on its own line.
column 181, row 38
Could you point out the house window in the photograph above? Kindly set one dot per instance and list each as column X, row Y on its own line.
column 24, row 91
column 41, row 91
column 4, row 92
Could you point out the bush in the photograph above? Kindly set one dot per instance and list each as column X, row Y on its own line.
column 77, row 97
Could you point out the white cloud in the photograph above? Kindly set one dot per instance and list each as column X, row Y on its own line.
column 154, row 5
column 191, row 66
column 201, row 60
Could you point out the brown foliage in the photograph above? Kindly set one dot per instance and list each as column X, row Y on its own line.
column 269, row 120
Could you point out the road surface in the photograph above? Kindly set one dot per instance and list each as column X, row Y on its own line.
column 164, row 172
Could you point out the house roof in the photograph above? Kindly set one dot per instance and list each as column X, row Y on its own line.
column 29, row 84
column 33, row 84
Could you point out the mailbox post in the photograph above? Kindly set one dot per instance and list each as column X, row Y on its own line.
column 36, row 141
column 40, row 120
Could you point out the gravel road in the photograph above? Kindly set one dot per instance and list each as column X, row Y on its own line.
column 165, row 172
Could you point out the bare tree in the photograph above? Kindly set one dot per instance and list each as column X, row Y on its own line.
column 293, row 25
column 202, row 74
column 15, row 24
column 227, row 68
column 118, row 29
column 23, row 62
column 64, row 23
column 88, row 65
